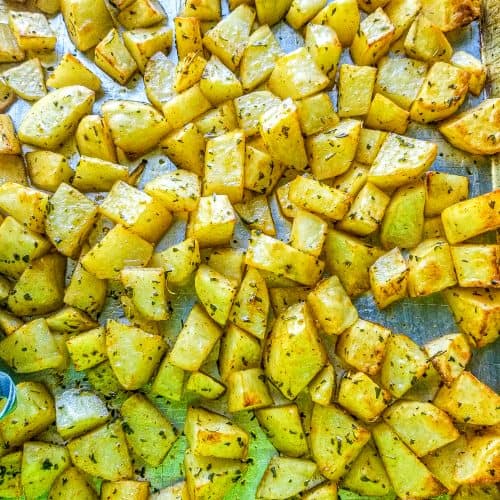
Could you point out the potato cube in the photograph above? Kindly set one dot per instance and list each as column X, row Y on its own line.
column 288, row 209
column 141, row 14
column 294, row 353
column 190, row 158
column 259, row 56
column 316, row 114
column 444, row 190
column 353, row 180
column 409, row 476
column 366, row 212
column 159, row 75
column 228, row 39
column 118, row 249
column 283, row 426
column 386, row 115
column 179, row 261
column 308, row 233
column 212, row 223
column 302, row 11
column 87, row 349
column 70, row 320
column 185, row 107
column 34, row 412
column 142, row 43
column 477, row 265
column 218, row 83
column 297, row 75
column 322, row 386
column 32, row 31
column 189, row 71
column 403, row 365
column 9, row 48
column 324, row 46
column 218, row 121
column 169, row 381
column 269, row 254
column 361, row 396
column 224, row 166
column 442, row 93
column 251, row 106
column 477, row 312
column 356, row 85
column 9, row 143
column 350, row 259
column 336, row 440
column 343, row 16
column 9, row 323
column 115, row 490
column 401, row 14
column 26, row 80
column 247, row 390
column 87, row 21
column 271, row 13
column 256, row 213
column 11, row 486
column 187, row 36
column 373, row 38
column 204, row 386
column 477, row 71
column 47, row 170
column 71, row 483
column 114, row 59
column 469, row 401
column 94, row 140
column 12, row 169
column 370, row 142
column 71, row 71
column 452, row 13
column 59, row 121
column 401, row 160
column 472, row 217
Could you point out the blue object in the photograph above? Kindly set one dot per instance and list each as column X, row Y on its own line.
column 8, row 393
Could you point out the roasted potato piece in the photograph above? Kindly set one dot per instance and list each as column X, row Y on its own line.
column 159, row 75
column 302, row 11
column 187, row 36
column 189, row 71
column 9, row 143
column 204, row 386
column 27, row 80
column 343, row 16
column 477, row 71
column 72, row 483
column 316, row 114
column 251, row 106
column 477, row 265
column 354, row 179
column 386, row 115
column 218, row 121
column 443, row 190
column 96, row 175
column 87, row 349
column 230, row 262
column 11, row 482
column 271, row 12
column 324, row 46
column 475, row 130
column 308, row 233
column 115, row 490
column 402, row 13
column 169, row 381
column 47, row 170
column 247, row 390
column 9, row 48
column 218, row 83
column 94, row 139
column 356, row 85
column 32, row 31
column 141, row 14
column 322, row 386
column 451, row 14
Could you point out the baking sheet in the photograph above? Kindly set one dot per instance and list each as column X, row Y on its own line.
column 421, row 319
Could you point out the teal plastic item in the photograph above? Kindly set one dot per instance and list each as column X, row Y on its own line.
column 7, row 393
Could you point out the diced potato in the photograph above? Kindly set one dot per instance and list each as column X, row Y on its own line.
column 332, row 307
column 280, row 129
column 477, row 71
column 308, row 233
column 12, row 169
column 430, row 268
column 401, row 160
column 324, row 46
column 149, row 434
column 362, row 397
column 250, row 107
column 34, row 412
column 130, row 490
column 322, row 386
column 212, row 435
column 356, row 85
column 310, row 194
column 283, row 426
column 286, row 296
column 189, row 71
column 87, row 349
column 70, row 484
column 386, row 115
column 472, row 217
column 185, row 107
column 302, row 11
column 294, row 352
column 9, row 323
column 159, row 75
column 46, row 125
column 288, row 208
column 94, row 139
column 441, row 94
column 47, row 170
column 443, row 190
column 187, row 36
column 10, row 486
column 475, row 130
column 78, row 412
column 114, row 59
column 71, row 71
column 87, row 21
column 42, row 463
column 285, row 477
column 350, row 259
column 9, row 143
column 483, row 492
column 27, row 80
column 195, row 341
column 366, row 212
column 271, row 12
column 256, row 213
column 31, row 348
column 32, row 31
column 189, row 157
column 409, row 476
column 469, row 401
column 179, row 261
column 247, row 390
column 143, row 43
column 316, row 114
column 69, row 320
column 9, row 48
column 402, row 13
column 218, row 83
column 133, row 353
column 449, row 355
column 451, row 14
column 331, row 153
column 389, row 278
column 477, row 265
column 102, row 453
column 169, row 381
column 354, row 179
column 204, row 386
column 269, row 254
column 343, row 16
column 259, row 56
column 209, row 477
column 228, row 39
column 48, row 6
column 297, row 75
column 336, row 440
column 404, row 218
column 141, row 14
column 367, row 475
column 229, row 262
column 477, row 312
column 218, row 121
column 96, row 175
column 403, row 365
